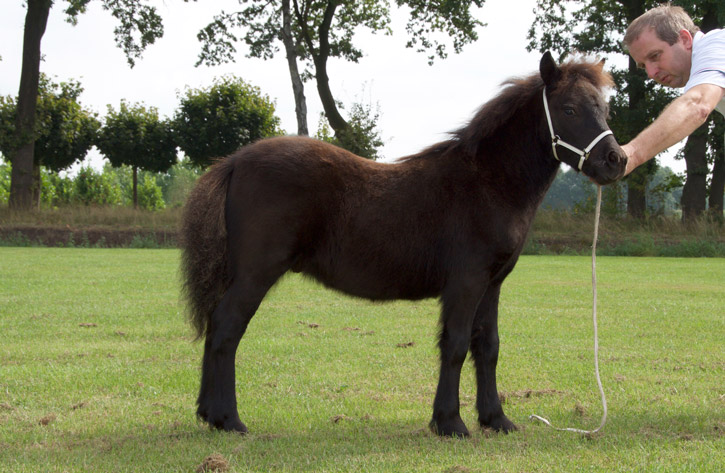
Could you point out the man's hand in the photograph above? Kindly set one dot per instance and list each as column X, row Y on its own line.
column 632, row 161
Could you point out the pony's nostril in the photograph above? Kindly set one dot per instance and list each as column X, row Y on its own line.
column 613, row 157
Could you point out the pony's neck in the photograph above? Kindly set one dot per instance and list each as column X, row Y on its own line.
column 519, row 156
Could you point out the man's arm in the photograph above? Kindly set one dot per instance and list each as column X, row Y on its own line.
column 681, row 117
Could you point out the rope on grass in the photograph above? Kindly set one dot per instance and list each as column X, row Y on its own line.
column 596, row 336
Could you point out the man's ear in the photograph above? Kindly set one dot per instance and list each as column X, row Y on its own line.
column 549, row 70
column 686, row 39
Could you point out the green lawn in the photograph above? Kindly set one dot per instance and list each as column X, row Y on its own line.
column 99, row 373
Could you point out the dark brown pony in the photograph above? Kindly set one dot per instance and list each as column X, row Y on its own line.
column 448, row 222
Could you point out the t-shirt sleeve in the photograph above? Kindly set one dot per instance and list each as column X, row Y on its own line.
column 708, row 64
column 707, row 76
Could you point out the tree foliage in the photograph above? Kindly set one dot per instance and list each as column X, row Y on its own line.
column 431, row 26
column 431, row 21
column 64, row 130
column 139, row 24
column 215, row 121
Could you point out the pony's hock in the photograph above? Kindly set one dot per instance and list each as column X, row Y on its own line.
column 448, row 222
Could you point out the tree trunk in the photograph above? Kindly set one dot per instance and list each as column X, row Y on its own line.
column 717, row 185
column 37, row 186
column 298, row 87
column 319, row 58
column 323, row 82
column 694, row 191
column 637, row 180
column 337, row 122
column 21, row 180
column 135, row 188
column 637, row 193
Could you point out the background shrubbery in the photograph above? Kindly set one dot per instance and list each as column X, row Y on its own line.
column 111, row 186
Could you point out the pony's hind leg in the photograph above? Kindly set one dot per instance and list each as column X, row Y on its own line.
column 484, row 348
column 217, row 403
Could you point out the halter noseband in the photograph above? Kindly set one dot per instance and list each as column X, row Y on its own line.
column 556, row 140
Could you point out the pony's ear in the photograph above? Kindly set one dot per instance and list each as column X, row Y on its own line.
column 600, row 65
column 549, row 70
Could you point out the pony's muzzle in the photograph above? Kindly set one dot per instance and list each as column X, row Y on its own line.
column 613, row 166
column 617, row 158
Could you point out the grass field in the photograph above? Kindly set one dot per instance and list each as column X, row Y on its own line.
column 98, row 371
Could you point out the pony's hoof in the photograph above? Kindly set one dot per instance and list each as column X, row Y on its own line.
column 500, row 424
column 235, row 426
column 455, row 428
column 225, row 423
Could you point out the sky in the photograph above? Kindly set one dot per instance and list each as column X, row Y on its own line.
column 418, row 104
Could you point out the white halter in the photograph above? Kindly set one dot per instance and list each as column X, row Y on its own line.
column 556, row 140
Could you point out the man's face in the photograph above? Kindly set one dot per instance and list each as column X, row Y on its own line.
column 667, row 64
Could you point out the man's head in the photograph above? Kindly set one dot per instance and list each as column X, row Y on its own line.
column 660, row 41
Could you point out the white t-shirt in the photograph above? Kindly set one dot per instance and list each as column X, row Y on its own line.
column 708, row 62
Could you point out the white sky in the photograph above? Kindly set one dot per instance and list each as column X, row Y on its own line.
column 418, row 103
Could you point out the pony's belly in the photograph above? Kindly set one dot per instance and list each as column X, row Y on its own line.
column 374, row 284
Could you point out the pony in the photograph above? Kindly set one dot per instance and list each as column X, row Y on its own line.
column 448, row 222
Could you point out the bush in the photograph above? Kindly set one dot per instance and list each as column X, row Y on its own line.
column 54, row 189
column 150, row 196
column 178, row 182
column 5, row 171
column 362, row 136
column 90, row 187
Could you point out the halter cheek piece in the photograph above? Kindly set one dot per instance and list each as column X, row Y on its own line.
column 556, row 140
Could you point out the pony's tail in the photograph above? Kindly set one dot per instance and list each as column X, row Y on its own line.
column 203, row 239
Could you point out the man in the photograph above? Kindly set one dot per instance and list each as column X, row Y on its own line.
column 675, row 53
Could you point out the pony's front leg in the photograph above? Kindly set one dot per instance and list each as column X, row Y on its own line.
column 456, row 318
column 484, row 348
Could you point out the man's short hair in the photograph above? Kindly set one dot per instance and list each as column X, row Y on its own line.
column 667, row 21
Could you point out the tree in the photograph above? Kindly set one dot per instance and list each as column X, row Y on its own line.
column 315, row 30
column 135, row 18
column 216, row 121
column 265, row 23
column 135, row 136
column 64, row 131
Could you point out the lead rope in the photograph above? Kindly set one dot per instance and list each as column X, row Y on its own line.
column 596, row 337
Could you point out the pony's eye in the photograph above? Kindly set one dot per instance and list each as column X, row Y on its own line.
column 569, row 111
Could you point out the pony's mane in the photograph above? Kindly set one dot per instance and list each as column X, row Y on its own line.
column 516, row 94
